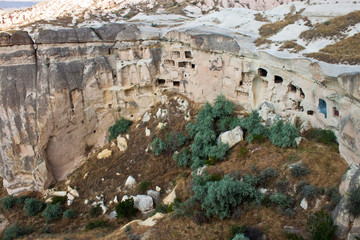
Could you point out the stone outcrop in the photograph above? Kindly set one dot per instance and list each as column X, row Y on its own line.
column 65, row 90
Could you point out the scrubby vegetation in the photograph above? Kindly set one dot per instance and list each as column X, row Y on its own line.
column 52, row 212
column 97, row 224
column 16, row 231
column 95, row 211
column 143, row 187
column 58, row 200
column 120, row 127
column 8, row 202
column 125, row 209
column 299, row 170
column 283, row 135
column 354, row 201
column 291, row 46
column 321, row 226
column 33, row 206
column 69, row 214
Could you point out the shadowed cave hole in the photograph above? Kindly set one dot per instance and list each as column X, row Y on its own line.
column 278, row 79
column 262, row 72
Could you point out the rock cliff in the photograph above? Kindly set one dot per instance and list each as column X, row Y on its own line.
column 62, row 90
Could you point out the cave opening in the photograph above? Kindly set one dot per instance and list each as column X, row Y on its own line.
column 262, row 72
column 278, row 79
column 322, row 107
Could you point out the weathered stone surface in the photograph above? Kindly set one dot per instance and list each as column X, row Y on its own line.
column 121, row 143
column 104, row 154
column 155, row 196
column 4, row 39
column 21, row 38
column 143, row 203
column 130, row 182
column 78, row 35
column 231, row 137
column 170, row 198
column 304, row 204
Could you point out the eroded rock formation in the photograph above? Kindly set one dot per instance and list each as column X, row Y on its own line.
column 62, row 92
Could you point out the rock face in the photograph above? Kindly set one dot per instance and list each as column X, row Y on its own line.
column 63, row 92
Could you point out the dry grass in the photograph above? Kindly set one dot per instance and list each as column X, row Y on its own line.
column 332, row 28
column 292, row 46
column 260, row 18
column 261, row 41
column 271, row 29
column 346, row 51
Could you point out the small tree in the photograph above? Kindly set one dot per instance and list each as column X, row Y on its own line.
column 253, row 126
column 354, row 202
column 120, row 127
column 70, row 213
column 183, row 157
column 32, row 206
column 321, row 227
column 8, row 202
column 15, row 231
column 52, row 212
column 159, row 146
column 125, row 209
column 283, row 135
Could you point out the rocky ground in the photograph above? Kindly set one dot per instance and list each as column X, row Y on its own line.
column 104, row 180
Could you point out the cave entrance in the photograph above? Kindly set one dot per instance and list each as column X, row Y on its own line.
column 322, row 107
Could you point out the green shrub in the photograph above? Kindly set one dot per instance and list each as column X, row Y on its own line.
column 143, row 187
column 243, row 152
column 16, row 231
column 159, row 146
column 235, row 230
column 253, row 126
column 334, row 196
column 220, row 197
column 324, row 136
column 320, row 226
column 266, row 175
column 240, row 236
column 120, row 127
column 309, row 191
column 8, row 202
column 299, row 170
column 282, row 185
column 175, row 140
column 126, row 209
column 222, row 107
column 52, row 212
column 58, row 200
column 354, row 202
column 47, row 229
column 227, row 123
column 283, row 135
column 97, row 224
column 219, row 151
column 70, row 213
column 95, row 211
column 20, row 200
column 32, row 206
column 293, row 236
column 281, row 200
column 183, row 157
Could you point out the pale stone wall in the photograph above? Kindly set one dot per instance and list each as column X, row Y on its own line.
column 59, row 97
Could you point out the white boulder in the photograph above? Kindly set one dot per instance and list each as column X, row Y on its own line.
column 122, row 143
column 146, row 117
column 304, row 204
column 170, row 198
column 143, row 203
column 147, row 132
column 155, row 196
column 104, row 154
column 130, row 182
column 232, row 137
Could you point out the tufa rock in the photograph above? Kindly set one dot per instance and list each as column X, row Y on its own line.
column 121, row 143
column 130, row 182
column 104, row 154
column 170, row 198
column 155, row 196
column 231, row 137
column 304, row 204
column 143, row 203
column 21, row 38
column 147, row 132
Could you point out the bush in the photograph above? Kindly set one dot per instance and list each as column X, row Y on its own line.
column 253, row 126
column 95, row 211
column 120, row 127
column 183, row 157
column 58, row 200
column 283, row 135
column 126, row 209
column 219, row 151
column 334, row 196
column 20, row 200
column 219, row 198
column 282, row 185
column 70, row 213
column 281, row 200
column 200, row 218
column 52, row 212
column 16, row 231
column 97, row 224
column 321, row 227
column 266, row 175
column 324, row 136
column 143, row 187
column 235, row 230
column 46, row 229
column 175, row 140
column 240, row 236
column 299, row 170
column 158, row 146
column 32, row 206
column 354, row 202
column 227, row 123
column 309, row 191
column 8, row 202
column 222, row 107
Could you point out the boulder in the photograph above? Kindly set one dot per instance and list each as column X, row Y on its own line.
column 104, row 154
column 160, row 125
column 170, row 198
column 151, row 221
column 70, row 197
column 266, row 112
column 4, row 39
column 130, row 182
column 147, row 132
column 146, row 117
column 304, row 204
column 121, row 143
column 59, row 193
column 74, row 192
column 112, row 215
column 155, row 196
column 143, row 203
column 231, row 137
